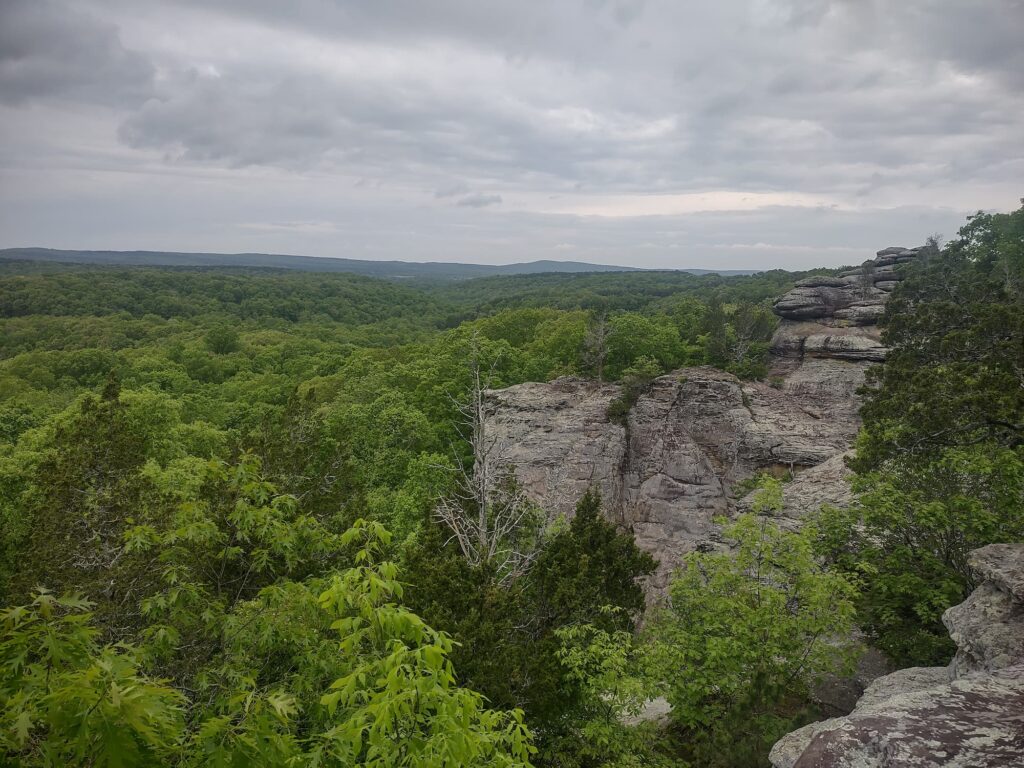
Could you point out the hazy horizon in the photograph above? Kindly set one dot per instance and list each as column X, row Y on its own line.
column 6, row 249
column 749, row 135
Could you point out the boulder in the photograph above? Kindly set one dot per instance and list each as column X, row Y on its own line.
column 674, row 468
column 559, row 440
column 890, row 251
column 844, row 346
column 861, row 313
column 908, row 680
column 790, row 747
column 825, row 305
column 1002, row 565
column 988, row 629
column 816, row 300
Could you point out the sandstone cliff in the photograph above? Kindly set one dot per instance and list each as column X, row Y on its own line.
column 698, row 432
column 968, row 714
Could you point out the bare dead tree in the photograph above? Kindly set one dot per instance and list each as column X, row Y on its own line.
column 595, row 345
column 751, row 323
column 486, row 510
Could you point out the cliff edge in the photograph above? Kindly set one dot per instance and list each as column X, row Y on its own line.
column 697, row 433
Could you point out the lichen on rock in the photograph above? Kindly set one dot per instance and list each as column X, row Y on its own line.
column 967, row 715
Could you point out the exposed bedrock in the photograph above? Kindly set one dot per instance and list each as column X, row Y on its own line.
column 836, row 317
column 830, row 299
column 967, row 715
column 690, row 439
column 697, row 432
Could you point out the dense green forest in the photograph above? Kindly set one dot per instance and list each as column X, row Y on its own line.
column 221, row 547
column 392, row 270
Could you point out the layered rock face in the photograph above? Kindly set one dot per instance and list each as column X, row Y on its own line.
column 698, row 432
column 967, row 715
column 836, row 317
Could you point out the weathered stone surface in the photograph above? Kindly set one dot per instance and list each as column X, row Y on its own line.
column 807, row 302
column 653, row 711
column 891, row 250
column 698, row 432
column 810, row 490
column 970, row 723
column 827, row 388
column 558, row 438
column 790, row 747
column 844, row 347
column 967, row 715
column 908, row 680
column 791, row 339
column 988, row 627
column 836, row 317
column 861, row 313
column 690, row 439
column 1003, row 565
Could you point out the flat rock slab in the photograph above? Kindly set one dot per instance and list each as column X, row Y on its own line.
column 970, row 723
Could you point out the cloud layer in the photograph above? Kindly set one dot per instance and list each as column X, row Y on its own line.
column 750, row 133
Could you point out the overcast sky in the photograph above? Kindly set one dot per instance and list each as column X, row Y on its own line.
column 730, row 134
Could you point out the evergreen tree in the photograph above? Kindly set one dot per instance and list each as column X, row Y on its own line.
column 586, row 573
column 940, row 461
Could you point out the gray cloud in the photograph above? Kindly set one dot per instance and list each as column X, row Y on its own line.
column 478, row 200
column 50, row 50
column 451, row 190
column 628, row 108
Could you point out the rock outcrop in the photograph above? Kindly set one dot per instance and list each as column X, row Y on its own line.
column 691, row 440
column 836, row 317
column 675, row 467
column 967, row 715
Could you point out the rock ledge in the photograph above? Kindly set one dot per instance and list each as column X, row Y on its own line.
column 967, row 715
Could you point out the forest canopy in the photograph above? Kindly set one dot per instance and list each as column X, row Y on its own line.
column 241, row 518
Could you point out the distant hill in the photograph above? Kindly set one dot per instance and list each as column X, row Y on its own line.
column 392, row 270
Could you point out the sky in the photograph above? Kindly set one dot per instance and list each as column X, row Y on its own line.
column 735, row 134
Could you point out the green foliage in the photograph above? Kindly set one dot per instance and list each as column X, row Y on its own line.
column 222, row 340
column 607, row 670
column 399, row 704
column 635, row 381
column 586, row 567
column 735, row 338
column 744, row 634
column 187, row 447
column 75, row 489
column 239, row 293
column 507, row 632
column 65, row 700
column 387, row 691
column 647, row 291
column 940, row 461
column 221, row 549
